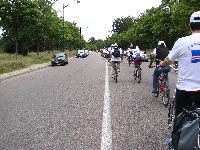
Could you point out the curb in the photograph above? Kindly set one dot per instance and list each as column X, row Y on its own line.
column 16, row 73
column 19, row 72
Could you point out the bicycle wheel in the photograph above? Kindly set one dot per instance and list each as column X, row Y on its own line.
column 165, row 95
column 116, row 74
column 171, row 114
column 129, row 62
column 139, row 77
column 135, row 74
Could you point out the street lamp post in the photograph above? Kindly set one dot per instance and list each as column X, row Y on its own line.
column 80, row 31
column 63, row 40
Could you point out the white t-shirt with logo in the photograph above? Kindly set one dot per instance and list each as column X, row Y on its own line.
column 186, row 51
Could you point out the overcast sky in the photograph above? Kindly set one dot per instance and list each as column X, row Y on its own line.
column 95, row 16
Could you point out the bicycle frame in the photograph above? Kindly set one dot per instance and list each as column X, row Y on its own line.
column 137, row 73
column 164, row 90
column 162, row 81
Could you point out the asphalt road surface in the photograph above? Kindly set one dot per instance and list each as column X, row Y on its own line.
column 80, row 107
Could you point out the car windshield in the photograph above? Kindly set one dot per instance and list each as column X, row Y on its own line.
column 81, row 51
column 58, row 55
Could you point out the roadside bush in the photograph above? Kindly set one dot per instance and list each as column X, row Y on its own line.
column 10, row 66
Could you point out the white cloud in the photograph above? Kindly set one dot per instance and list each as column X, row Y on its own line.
column 96, row 16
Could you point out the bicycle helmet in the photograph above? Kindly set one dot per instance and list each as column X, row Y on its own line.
column 161, row 43
column 115, row 46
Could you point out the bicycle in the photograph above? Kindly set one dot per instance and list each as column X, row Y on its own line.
column 138, row 71
column 164, row 89
column 129, row 60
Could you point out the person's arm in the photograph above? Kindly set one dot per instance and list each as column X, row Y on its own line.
column 166, row 62
column 173, row 55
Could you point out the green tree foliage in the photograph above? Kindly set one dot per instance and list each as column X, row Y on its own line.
column 121, row 25
column 167, row 22
column 94, row 44
column 34, row 25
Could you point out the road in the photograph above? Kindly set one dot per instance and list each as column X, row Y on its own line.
column 80, row 107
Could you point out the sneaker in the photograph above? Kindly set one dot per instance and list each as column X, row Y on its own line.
column 168, row 141
column 155, row 93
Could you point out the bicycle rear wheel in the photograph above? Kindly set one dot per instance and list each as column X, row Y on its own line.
column 171, row 113
column 135, row 74
column 165, row 95
column 139, row 77
column 116, row 73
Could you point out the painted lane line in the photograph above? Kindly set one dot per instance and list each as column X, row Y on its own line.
column 106, row 137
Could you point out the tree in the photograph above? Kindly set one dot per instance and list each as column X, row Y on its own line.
column 121, row 25
column 34, row 25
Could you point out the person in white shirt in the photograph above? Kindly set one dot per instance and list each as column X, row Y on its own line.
column 187, row 51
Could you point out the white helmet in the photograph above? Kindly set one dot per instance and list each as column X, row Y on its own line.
column 115, row 45
column 161, row 42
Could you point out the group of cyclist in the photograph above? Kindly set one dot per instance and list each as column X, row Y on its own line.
column 186, row 51
column 115, row 55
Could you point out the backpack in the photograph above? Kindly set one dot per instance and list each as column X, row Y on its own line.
column 161, row 52
column 116, row 53
column 186, row 132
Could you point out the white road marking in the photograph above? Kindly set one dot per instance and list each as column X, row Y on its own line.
column 106, row 138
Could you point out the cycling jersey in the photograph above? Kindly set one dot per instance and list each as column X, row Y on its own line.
column 187, row 51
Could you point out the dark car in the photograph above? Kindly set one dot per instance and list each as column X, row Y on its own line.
column 59, row 59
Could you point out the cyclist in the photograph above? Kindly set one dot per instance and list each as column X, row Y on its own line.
column 187, row 51
column 130, row 55
column 115, row 58
column 136, row 56
column 160, row 53
column 152, row 59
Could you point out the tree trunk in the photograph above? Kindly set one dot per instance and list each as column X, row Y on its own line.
column 38, row 48
column 16, row 49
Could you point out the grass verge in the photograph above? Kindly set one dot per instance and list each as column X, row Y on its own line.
column 9, row 63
